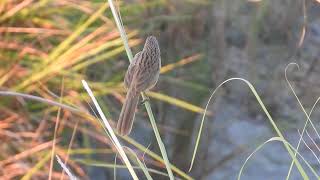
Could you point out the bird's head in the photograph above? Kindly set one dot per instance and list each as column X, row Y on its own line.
column 151, row 46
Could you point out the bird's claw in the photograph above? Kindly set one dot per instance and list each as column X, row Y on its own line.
column 144, row 101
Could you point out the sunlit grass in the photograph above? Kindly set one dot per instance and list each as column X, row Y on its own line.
column 42, row 42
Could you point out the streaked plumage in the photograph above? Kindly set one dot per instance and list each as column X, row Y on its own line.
column 142, row 74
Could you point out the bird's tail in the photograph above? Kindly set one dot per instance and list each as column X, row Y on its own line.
column 126, row 117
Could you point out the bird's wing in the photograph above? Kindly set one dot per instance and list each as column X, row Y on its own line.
column 146, row 79
column 130, row 71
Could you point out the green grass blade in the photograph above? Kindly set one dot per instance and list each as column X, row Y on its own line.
column 141, row 165
column 121, row 30
column 271, row 140
column 275, row 127
column 304, row 111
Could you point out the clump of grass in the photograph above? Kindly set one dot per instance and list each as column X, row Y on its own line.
column 293, row 152
column 41, row 43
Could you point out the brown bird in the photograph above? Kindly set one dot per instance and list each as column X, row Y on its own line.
column 142, row 75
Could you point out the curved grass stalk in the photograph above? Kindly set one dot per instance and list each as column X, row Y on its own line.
column 270, row 140
column 40, row 99
column 275, row 127
column 306, row 114
column 305, row 143
column 147, row 104
column 312, row 140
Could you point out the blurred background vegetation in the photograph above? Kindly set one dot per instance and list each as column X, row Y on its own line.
column 48, row 46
